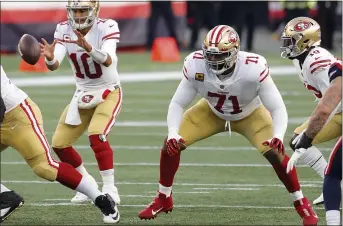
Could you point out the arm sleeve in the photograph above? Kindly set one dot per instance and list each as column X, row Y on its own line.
column 184, row 95
column 60, row 49
column 272, row 100
column 110, row 38
column 60, row 52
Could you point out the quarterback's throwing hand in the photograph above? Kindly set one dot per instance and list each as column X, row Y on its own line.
column 174, row 143
column 81, row 41
column 276, row 144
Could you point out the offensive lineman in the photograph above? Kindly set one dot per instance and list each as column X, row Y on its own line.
column 22, row 129
column 238, row 95
column 300, row 43
column 90, row 44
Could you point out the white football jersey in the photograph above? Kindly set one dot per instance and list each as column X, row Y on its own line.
column 314, row 70
column 236, row 97
column 89, row 74
column 10, row 93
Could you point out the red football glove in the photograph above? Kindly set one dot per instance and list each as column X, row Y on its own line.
column 275, row 144
column 174, row 144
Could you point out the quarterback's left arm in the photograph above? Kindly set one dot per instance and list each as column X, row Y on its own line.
column 272, row 100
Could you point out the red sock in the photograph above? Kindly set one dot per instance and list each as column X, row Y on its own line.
column 68, row 176
column 290, row 180
column 69, row 155
column 168, row 168
column 103, row 152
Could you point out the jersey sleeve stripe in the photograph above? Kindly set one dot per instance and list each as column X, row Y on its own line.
column 265, row 76
column 320, row 61
column 318, row 67
column 263, row 71
column 110, row 35
column 117, row 38
column 185, row 72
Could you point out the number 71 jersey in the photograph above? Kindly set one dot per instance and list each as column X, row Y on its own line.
column 88, row 73
column 235, row 97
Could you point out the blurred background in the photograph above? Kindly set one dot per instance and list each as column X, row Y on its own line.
column 222, row 180
column 258, row 22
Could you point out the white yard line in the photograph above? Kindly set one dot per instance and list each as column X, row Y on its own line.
column 181, row 164
column 310, row 184
column 234, row 189
column 68, row 79
column 177, row 206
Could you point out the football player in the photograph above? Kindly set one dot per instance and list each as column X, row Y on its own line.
column 238, row 94
column 301, row 44
column 327, row 107
column 9, row 201
column 22, row 129
column 90, row 44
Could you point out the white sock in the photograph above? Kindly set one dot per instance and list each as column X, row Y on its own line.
column 81, row 169
column 88, row 188
column 107, row 177
column 297, row 195
column 165, row 190
column 314, row 158
column 333, row 217
column 3, row 188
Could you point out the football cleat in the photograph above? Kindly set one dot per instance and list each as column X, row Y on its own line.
column 9, row 203
column 160, row 204
column 319, row 200
column 108, row 207
column 304, row 209
column 80, row 197
column 113, row 192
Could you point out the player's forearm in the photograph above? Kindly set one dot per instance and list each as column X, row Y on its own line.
column 99, row 55
column 280, row 120
column 325, row 108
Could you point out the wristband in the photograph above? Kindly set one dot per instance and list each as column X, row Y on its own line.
column 52, row 62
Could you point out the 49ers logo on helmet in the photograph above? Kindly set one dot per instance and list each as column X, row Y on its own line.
column 232, row 37
column 301, row 26
column 87, row 98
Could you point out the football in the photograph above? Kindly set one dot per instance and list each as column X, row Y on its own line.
column 29, row 49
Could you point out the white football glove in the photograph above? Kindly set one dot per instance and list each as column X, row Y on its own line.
column 294, row 158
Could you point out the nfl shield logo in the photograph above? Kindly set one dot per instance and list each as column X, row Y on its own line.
column 221, row 86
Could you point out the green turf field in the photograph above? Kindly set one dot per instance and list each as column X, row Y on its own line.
column 221, row 180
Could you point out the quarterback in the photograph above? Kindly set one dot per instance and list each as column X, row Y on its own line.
column 90, row 44
column 301, row 44
column 238, row 94
column 22, row 129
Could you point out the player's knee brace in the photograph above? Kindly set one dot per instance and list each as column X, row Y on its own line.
column 42, row 168
column 291, row 141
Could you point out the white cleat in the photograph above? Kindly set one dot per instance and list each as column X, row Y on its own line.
column 113, row 192
column 80, row 197
column 319, row 200
column 112, row 218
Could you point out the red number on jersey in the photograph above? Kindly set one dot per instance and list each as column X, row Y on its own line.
column 84, row 59
column 221, row 100
column 315, row 52
column 316, row 92
column 252, row 59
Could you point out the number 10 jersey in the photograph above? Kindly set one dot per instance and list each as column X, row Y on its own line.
column 89, row 74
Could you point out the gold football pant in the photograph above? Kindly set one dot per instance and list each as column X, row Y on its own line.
column 332, row 130
column 199, row 122
column 22, row 129
column 98, row 120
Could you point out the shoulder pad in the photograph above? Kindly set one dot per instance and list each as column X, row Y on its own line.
column 110, row 29
column 317, row 60
column 254, row 65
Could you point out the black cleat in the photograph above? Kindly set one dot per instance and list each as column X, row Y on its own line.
column 9, row 202
column 108, row 207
